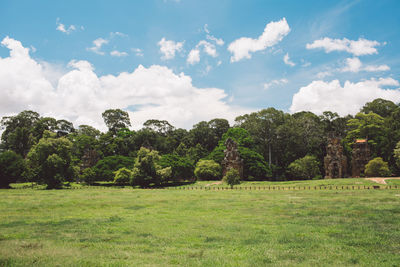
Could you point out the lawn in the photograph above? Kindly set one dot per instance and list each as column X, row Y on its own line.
column 133, row 227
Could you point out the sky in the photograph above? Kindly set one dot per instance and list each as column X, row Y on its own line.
column 186, row 61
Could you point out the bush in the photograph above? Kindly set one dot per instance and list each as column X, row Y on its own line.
column 181, row 167
column 207, row 170
column 106, row 167
column 123, row 176
column 11, row 168
column 377, row 168
column 146, row 171
column 396, row 153
column 232, row 177
column 304, row 168
column 88, row 176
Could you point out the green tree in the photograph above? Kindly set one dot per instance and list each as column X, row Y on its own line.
column 182, row 168
column 123, row 176
column 207, row 170
column 304, row 168
column 161, row 127
column 396, row 153
column 232, row 177
column 50, row 161
column 18, row 132
column 382, row 107
column 377, row 168
column 11, row 168
column 88, row 176
column 106, row 167
column 146, row 170
column 116, row 119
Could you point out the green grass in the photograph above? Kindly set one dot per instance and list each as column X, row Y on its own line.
column 126, row 227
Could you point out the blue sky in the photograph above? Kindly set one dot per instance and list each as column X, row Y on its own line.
column 313, row 55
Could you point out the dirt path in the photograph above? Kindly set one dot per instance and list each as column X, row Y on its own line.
column 220, row 182
column 382, row 180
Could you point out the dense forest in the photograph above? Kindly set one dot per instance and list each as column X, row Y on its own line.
column 274, row 145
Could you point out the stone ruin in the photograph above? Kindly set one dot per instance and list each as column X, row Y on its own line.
column 89, row 158
column 232, row 158
column 335, row 163
column 360, row 156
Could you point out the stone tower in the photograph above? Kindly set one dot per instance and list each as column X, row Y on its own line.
column 360, row 157
column 335, row 163
column 232, row 158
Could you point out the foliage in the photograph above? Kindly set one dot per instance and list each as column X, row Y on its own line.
column 232, row 177
column 11, row 168
column 50, row 161
column 396, row 153
column 88, row 176
column 106, row 167
column 116, row 119
column 377, row 168
column 181, row 167
column 207, row 170
column 304, row 168
column 146, row 170
column 123, row 176
column 255, row 166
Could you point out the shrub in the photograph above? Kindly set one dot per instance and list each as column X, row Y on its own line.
column 88, row 176
column 304, row 168
column 207, row 170
column 11, row 168
column 377, row 167
column 232, row 177
column 123, row 176
column 396, row 153
column 181, row 167
column 106, row 167
column 146, row 171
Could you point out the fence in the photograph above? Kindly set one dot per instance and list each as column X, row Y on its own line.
column 239, row 188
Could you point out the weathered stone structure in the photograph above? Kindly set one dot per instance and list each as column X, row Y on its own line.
column 232, row 158
column 335, row 163
column 89, row 158
column 360, row 156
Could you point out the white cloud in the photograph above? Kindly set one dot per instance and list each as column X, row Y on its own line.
column 320, row 96
column 355, row 65
column 81, row 95
column 323, row 74
column 273, row 33
column 287, row 61
column 138, row 52
column 168, row 48
column 193, row 57
column 67, row 30
column 97, row 44
column 120, row 34
column 208, row 48
column 275, row 83
column 357, row 48
column 194, row 54
column 210, row 37
column 116, row 53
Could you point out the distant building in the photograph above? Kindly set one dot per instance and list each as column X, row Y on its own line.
column 335, row 163
column 360, row 156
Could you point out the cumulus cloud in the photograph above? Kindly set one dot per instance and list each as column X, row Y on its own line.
column 320, row 96
column 97, row 44
column 275, row 83
column 194, row 56
column 168, row 48
column 273, row 33
column 357, row 48
column 355, row 65
column 67, row 30
column 116, row 53
column 287, row 60
column 81, row 95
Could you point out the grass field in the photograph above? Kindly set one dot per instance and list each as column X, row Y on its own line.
column 126, row 227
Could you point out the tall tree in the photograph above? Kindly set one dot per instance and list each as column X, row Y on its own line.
column 116, row 119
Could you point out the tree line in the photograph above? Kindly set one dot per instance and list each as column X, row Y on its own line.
column 274, row 145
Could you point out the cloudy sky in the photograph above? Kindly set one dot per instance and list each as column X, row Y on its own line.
column 187, row 61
